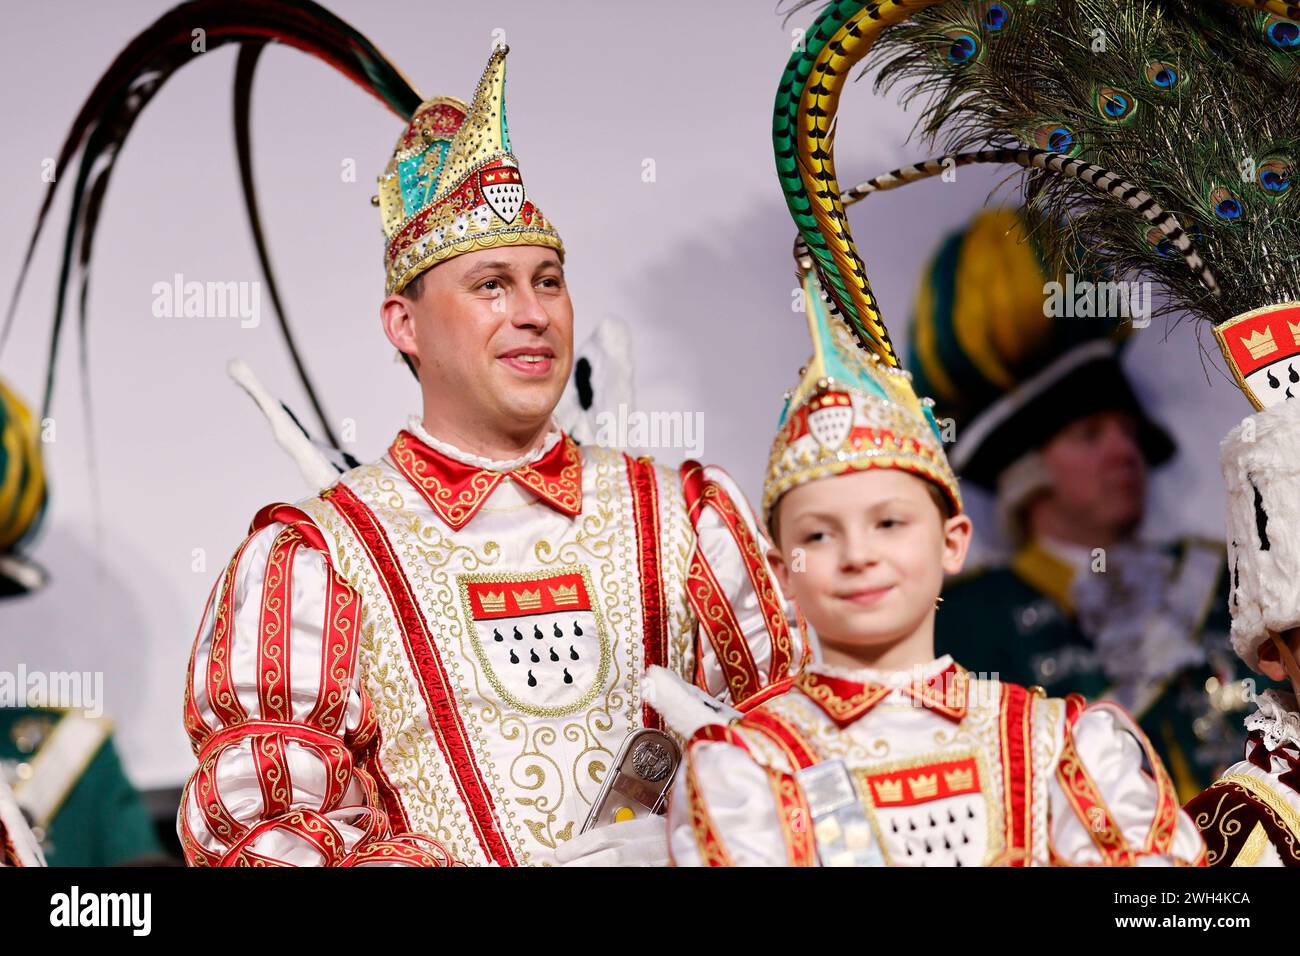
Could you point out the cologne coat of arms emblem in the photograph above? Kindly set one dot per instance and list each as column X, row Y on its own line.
column 538, row 636
column 930, row 814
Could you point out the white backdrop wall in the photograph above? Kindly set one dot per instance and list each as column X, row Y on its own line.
column 696, row 262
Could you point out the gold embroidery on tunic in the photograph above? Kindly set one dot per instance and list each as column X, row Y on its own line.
column 542, row 772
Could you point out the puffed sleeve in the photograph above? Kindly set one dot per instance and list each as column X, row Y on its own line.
column 1106, row 807
column 746, row 639
column 278, row 720
column 727, row 809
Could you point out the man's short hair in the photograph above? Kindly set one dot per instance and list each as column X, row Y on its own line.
column 413, row 290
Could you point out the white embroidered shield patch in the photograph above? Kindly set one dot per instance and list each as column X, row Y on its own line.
column 503, row 188
column 538, row 636
column 933, row 814
column 830, row 419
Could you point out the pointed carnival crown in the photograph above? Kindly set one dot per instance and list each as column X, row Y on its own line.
column 851, row 411
column 453, row 184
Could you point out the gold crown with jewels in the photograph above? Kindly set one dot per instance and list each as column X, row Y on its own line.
column 453, row 184
column 851, row 412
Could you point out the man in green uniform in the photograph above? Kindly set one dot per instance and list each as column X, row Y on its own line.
column 60, row 765
column 1043, row 418
column 64, row 773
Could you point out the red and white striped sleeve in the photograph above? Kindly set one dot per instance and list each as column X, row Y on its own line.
column 747, row 643
column 1111, row 800
column 284, row 734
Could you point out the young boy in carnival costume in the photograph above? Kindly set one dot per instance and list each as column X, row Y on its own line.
column 879, row 753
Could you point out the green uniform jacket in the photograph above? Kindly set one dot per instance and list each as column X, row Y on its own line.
column 99, row 820
column 1016, row 621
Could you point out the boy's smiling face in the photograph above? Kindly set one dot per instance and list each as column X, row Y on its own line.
column 864, row 553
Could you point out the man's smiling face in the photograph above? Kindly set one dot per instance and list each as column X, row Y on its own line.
column 492, row 335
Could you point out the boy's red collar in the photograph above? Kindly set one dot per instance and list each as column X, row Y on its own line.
column 845, row 700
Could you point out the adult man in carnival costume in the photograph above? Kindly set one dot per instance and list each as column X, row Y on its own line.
column 435, row 660
column 1045, row 419
column 470, row 615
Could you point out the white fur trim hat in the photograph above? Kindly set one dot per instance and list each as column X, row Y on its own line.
column 1261, row 467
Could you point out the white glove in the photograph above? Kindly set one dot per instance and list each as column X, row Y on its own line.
column 683, row 706
column 642, row 842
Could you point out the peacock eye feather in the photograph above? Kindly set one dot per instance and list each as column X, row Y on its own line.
column 1162, row 75
column 996, row 17
column 1161, row 243
column 1282, row 33
column 1115, row 105
column 1274, row 177
column 963, row 47
column 1057, row 138
column 1225, row 204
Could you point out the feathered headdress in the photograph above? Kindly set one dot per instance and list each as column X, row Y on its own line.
column 1159, row 139
column 834, row 275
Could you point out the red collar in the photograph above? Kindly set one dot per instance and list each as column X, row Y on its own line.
column 456, row 491
column 844, row 700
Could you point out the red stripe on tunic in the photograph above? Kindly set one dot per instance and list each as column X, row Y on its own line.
column 784, row 735
column 1015, row 739
column 220, row 682
column 338, row 653
column 645, row 508
column 439, row 697
column 702, row 491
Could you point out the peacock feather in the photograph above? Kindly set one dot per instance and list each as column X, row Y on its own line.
column 1121, row 83
column 1191, row 104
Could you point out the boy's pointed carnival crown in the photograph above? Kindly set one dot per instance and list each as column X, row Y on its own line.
column 453, row 184
column 851, row 411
